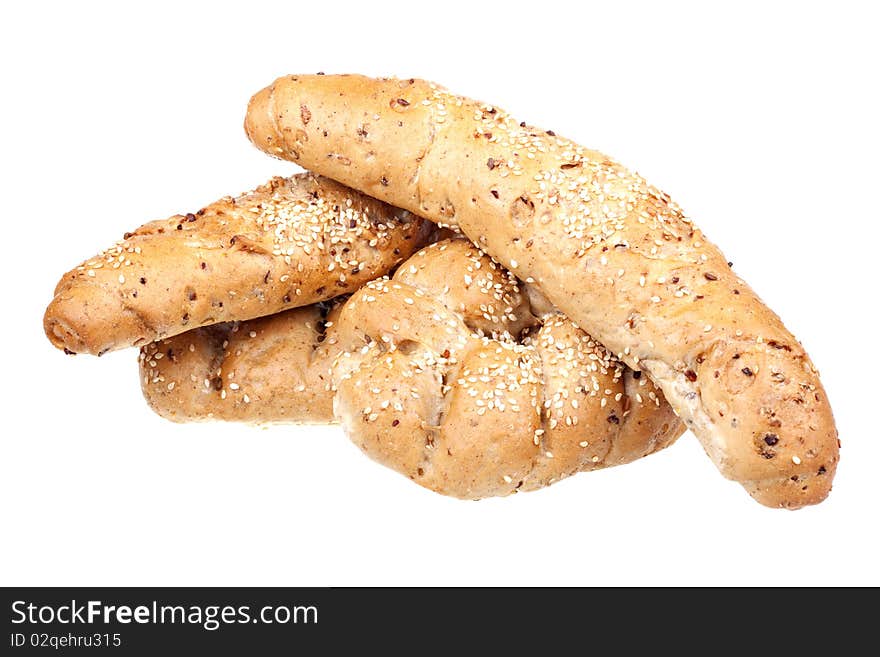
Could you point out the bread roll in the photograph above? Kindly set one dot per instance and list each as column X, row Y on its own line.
column 289, row 243
column 610, row 251
column 448, row 376
column 268, row 370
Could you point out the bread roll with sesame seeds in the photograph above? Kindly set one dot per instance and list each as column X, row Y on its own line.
column 447, row 376
column 272, row 369
column 289, row 243
column 613, row 253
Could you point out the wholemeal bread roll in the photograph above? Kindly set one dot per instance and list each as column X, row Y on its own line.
column 610, row 251
column 288, row 243
column 268, row 370
column 453, row 375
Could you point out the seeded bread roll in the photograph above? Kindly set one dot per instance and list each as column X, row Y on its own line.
column 448, row 376
column 268, row 370
column 610, row 251
column 289, row 243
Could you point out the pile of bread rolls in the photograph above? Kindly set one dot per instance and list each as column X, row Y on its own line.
column 484, row 306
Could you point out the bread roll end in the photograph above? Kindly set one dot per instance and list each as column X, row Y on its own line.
column 70, row 320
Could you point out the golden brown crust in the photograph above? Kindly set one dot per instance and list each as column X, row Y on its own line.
column 610, row 251
column 447, row 376
column 269, row 370
column 289, row 243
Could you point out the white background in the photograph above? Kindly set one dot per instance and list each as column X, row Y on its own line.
column 761, row 120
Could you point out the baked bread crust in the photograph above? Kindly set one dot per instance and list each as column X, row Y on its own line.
column 452, row 376
column 289, row 243
column 268, row 370
column 610, row 251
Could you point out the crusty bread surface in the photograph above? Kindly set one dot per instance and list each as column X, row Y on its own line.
column 268, row 370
